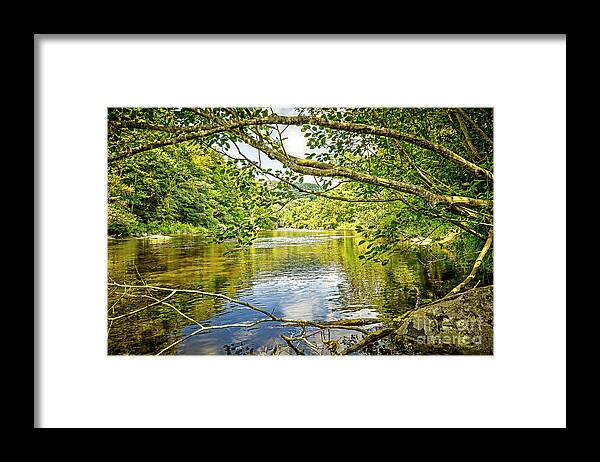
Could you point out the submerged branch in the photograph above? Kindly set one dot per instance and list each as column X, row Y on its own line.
column 291, row 345
column 157, row 302
column 368, row 340
column 200, row 292
column 208, row 328
column 344, row 324
column 351, row 322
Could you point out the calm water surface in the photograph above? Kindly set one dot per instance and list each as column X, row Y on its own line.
column 298, row 274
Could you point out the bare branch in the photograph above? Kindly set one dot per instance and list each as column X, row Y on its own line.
column 291, row 345
column 476, row 266
column 344, row 324
column 369, row 339
column 209, row 328
column 200, row 292
column 141, row 309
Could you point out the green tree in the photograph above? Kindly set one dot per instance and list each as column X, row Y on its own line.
column 164, row 189
column 417, row 170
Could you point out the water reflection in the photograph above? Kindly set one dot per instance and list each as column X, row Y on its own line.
column 294, row 274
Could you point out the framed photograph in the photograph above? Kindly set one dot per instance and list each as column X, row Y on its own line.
column 304, row 231
column 360, row 224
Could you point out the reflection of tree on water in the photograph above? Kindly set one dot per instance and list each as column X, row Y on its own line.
column 410, row 277
column 319, row 280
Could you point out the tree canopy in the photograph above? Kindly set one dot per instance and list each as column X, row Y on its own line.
column 392, row 174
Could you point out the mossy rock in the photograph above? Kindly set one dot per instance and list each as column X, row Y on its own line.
column 460, row 325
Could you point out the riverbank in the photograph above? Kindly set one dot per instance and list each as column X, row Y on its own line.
column 182, row 229
column 461, row 324
column 160, row 229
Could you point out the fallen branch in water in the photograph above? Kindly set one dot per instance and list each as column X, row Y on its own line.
column 288, row 340
column 349, row 322
column 304, row 338
column 200, row 292
column 344, row 324
column 114, row 318
column 367, row 340
column 208, row 328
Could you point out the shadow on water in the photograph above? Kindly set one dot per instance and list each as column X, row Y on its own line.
column 298, row 274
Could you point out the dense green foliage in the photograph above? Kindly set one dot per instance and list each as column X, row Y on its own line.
column 187, row 189
column 431, row 180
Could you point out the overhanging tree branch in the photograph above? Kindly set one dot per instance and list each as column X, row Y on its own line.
column 299, row 188
column 310, row 167
column 475, row 126
column 198, row 131
column 470, row 146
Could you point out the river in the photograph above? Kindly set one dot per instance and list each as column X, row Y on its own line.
column 311, row 275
